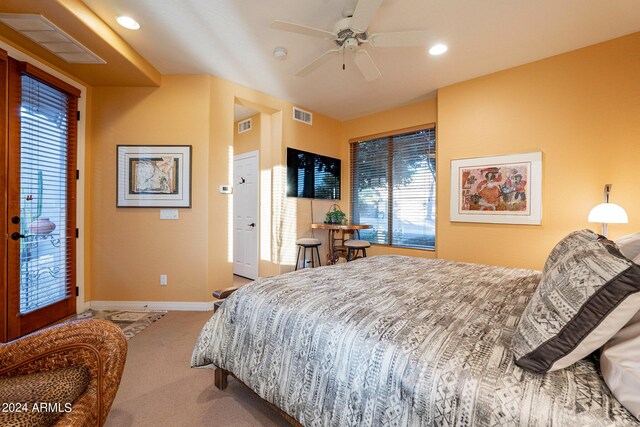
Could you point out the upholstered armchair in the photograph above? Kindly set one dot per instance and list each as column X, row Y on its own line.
column 97, row 345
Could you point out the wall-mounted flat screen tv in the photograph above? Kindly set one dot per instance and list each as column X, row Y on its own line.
column 312, row 176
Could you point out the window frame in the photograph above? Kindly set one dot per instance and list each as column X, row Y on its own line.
column 396, row 132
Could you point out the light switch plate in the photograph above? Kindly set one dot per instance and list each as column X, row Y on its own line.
column 168, row 213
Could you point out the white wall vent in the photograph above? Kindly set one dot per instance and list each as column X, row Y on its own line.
column 244, row 126
column 48, row 35
column 302, row 116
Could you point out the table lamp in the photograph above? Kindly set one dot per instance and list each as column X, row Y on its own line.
column 608, row 213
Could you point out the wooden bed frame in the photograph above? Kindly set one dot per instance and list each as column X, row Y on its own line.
column 221, row 376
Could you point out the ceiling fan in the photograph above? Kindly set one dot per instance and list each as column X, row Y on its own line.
column 350, row 33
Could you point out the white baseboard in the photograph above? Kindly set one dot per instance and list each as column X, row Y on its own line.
column 152, row 305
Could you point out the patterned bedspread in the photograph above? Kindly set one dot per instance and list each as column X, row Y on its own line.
column 398, row 341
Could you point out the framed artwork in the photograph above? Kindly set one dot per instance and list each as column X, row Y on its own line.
column 499, row 189
column 154, row 176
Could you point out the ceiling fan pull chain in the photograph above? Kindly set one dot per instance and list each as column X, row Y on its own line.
column 343, row 66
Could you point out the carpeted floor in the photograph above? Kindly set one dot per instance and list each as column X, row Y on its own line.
column 159, row 389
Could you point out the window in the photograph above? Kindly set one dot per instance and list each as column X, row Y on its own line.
column 44, row 154
column 393, row 188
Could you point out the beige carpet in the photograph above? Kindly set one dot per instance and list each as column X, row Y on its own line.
column 159, row 389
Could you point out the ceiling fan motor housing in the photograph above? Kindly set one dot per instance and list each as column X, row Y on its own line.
column 346, row 37
column 351, row 44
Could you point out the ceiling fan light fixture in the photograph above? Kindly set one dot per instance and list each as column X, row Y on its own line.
column 438, row 49
column 350, row 34
column 128, row 22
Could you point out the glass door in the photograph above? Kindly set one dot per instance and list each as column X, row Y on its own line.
column 41, row 191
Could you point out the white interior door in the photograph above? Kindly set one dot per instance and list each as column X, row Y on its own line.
column 245, row 214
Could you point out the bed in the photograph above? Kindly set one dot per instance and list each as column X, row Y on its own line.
column 399, row 341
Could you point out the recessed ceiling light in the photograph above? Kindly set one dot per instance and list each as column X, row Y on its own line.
column 438, row 49
column 128, row 22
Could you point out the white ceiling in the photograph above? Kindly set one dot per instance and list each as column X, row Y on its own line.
column 240, row 112
column 232, row 39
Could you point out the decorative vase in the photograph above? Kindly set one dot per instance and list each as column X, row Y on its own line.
column 41, row 226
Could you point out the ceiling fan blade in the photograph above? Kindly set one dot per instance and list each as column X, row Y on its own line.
column 307, row 69
column 400, row 39
column 363, row 15
column 366, row 65
column 302, row 29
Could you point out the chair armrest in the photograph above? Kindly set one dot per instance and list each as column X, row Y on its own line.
column 224, row 293
column 97, row 344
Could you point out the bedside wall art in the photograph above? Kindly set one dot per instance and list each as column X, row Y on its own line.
column 499, row 189
column 154, row 176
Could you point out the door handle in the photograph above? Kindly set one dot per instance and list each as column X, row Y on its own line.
column 16, row 236
column 253, row 224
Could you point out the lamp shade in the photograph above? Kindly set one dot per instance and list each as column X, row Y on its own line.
column 608, row 213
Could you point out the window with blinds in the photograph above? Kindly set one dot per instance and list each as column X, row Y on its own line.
column 46, row 271
column 393, row 188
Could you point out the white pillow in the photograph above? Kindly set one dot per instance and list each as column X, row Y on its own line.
column 620, row 365
column 629, row 245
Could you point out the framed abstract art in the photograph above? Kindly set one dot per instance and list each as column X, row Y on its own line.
column 499, row 189
column 154, row 176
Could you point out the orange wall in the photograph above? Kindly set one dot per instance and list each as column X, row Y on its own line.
column 131, row 247
column 422, row 113
column 582, row 110
column 247, row 141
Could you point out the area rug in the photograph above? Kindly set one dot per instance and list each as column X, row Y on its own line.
column 131, row 322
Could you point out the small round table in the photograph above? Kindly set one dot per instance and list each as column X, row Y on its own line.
column 333, row 229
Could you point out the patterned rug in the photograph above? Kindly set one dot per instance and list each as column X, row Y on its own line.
column 131, row 322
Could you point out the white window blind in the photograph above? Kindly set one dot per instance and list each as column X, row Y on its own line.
column 393, row 188
column 46, row 274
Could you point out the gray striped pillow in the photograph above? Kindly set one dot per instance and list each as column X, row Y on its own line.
column 583, row 299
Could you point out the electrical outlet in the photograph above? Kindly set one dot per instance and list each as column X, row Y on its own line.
column 163, row 280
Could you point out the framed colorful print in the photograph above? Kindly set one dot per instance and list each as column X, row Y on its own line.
column 154, row 176
column 498, row 189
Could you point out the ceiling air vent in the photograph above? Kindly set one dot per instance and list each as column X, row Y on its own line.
column 302, row 116
column 46, row 34
column 244, row 126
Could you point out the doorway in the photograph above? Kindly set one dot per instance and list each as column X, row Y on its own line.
column 245, row 214
column 41, row 199
column 246, row 192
